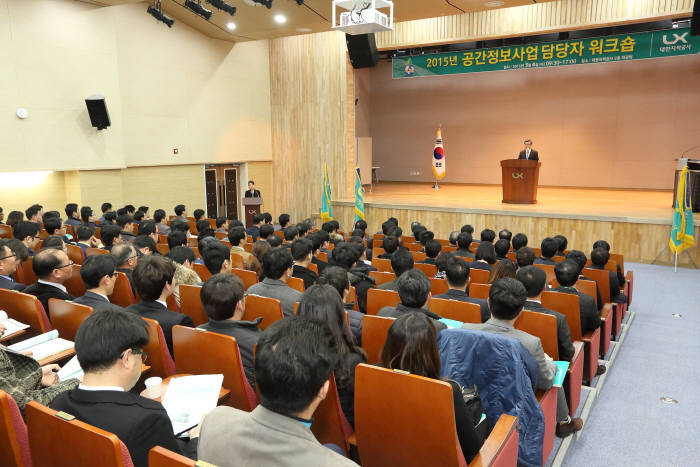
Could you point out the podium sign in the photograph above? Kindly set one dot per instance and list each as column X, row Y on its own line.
column 251, row 207
column 520, row 177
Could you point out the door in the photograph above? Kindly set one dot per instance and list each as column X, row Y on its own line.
column 211, row 191
column 231, row 191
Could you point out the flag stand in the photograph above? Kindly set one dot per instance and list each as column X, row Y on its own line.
column 675, row 259
column 435, row 185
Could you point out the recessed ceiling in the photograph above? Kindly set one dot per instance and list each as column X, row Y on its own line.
column 257, row 22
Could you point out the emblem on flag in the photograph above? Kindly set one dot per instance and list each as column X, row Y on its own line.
column 438, row 156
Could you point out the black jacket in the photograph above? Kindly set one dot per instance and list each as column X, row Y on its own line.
column 566, row 347
column 10, row 284
column 534, row 155
column 140, row 423
column 44, row 291
column 307, row 275
column 463, row 253
column 401, row 309
column 590, row 319
column 321, row 265
column 96, row 301
column 166, row 318
column 255, row 194
column 453, row 294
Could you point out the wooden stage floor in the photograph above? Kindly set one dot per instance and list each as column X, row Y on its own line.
column 635, row 206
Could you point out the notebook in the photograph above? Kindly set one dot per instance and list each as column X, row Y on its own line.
column 561, row 373
column 189, row 398
column 11, row 326
column 43, row 345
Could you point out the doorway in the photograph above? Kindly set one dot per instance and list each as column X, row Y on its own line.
column 221, row 182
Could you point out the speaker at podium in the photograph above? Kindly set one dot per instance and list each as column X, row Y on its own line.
column 251, row 207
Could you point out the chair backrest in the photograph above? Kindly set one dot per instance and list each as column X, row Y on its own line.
column 75, row 253
column 163, row 248
column 323, row 256
column 413, row 247
column 191, row 304
column 511, row 256
column 381, row 277
column 479, row 276
column 327, row 426
column 418, row 256
column 237, row 261
column 14, row 443
column 479, row 290
column 172, row 304
column 158, row 456
column 500, row 449
column 202, row 271
column 67, row 317
column 95, row 251
column 566, row 304
column 26, row 309
column 428, row 269
column 611, row 265
column 6, row 231
column 159, row 358
column 549, row 270
column 382, row 264
column 454, row 309
column 386, row 432
column 201, row 353
column 588, row 287
column 378, row 299
column 438, row 286
column 374, row 332
column 543, row 326
column 122, row 294
column 619, row 260
column 75, row 285
column 247, row 277
column 602, row 277
column 269, row 309
column 313, row 267
column 26, row 276
column 296, row 284
column 55, row 441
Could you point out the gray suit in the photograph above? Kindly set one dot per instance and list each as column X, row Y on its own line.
column 231, row 437
column 274, row 288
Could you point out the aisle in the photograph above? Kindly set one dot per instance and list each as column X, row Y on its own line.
column 629, row 424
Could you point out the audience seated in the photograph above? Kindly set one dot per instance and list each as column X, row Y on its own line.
column 488, row 235
column 606, row 246
column 109, row 346
column 148, row 228
column 85, row 237
column 485, row 256
column 524, row 256
column 502, row 268
column 317, row 240
column 464, row 240
column 567, row 274
column 125, row 259
column 216, row 256
column 177, row 238
column 390, row 245
column 579, row 257
column 411, row 345
column 181, row 212
column 501, row 247
column 34, row 213
column 222, row 224
column 349, row 256
column 293, row 364
column 259, row 250
column 145, row 245
column 599, row 258
column 535, row 279
column 198, row 215
column 222, row 299
column 338, row 278
column 139, row 216
column 56, row 242
column 457, row 274
column 549, row 248
column 441, row 263
column 506, row 299
column 126, row 223
column 110, row 235
column 265, row 231
column 183, row 257
column 153, row 278
column 8, row 266
column 110, row 218
column 519, row 241
column 86, row 216
column 159, row 218
column 254, row 230
column 414, row 293
column 563, row 243
column 27, row 233
column 301, row 253
column 432, row 249
column 98, row 273
column 105, row 208
column 290, row 234
column 235, row 236
column 505, row 234
column 277, row 268
column 322, row 303
column 401, row 261
column 14, row 217
column 52, row 268
column 145, row 211
column 283, row 220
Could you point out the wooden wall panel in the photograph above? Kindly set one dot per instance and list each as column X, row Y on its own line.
column 311, row 120
column 530, row 19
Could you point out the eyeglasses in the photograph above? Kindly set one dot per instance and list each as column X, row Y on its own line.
column 6, row 257
column 70, row 263
column 143, row 353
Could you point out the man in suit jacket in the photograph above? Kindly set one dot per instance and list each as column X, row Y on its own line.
column 528, row 153
column 125, row 258
column 457, row 274
column 599, row 258
column 27, row 233
column 464, row 240
column 153, row 277
column 549, row 248
column 579, row 257
column 98, row 275
column 8, row 266
column 277, row 268
column 414, row 292
column 52, row 268
column 301, row 253
column 432, row 250
column 109, row 346
column 567, row 275
column 506, row 299
column 252, row 192
column 401, row 261
column 277, row 432
column 254, row 230
column 316, row 242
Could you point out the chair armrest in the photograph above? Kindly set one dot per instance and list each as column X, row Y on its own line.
column 493, row 445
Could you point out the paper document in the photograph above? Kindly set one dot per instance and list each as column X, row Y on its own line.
column 561, row 373
column 43, row 345
column 451, row 323
column 70, row 370
column 188, row 398
column 11, row 326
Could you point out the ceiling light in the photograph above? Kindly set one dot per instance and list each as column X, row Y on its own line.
column 231, row 26
column 281, row 19
column 198, row 9
column 157, row 13
column 223, row 6
column 267, row 3
column 304, row 29
column 494, row 4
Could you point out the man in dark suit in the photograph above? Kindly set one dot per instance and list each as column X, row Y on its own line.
column 109, row 346
column 27, row 233
column 432, row 250
column 8, row 266
column 599, row 258
column 301, row 252
column 567, row 275
column 222, row 299
column 254, row 230
column 457, row 273
column 534, row 279
column 579, row 257
column 390, row 244
column 99, row 275
column 125, row 258
column 414, row 292
column 401, row 261
column 252, row 192
column 549, row 247
column 464, row 239
column 316, row 242
column 52, row 268
column 153, row 278
column 528, row 153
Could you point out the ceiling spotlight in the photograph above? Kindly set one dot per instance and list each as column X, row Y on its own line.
column 281, row 19
column 222, row 5
column 198, row 9
column 231, row 26
column 267, row 3
column 157, row 13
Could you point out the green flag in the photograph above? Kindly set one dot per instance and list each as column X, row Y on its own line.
column 359, row 199
column 326, row 208
column 682, row 236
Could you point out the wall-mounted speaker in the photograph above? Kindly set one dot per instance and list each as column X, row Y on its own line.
column 362, row 49
column 97, row 108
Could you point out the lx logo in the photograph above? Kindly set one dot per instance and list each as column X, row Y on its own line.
column 676, row 39
column 518, row 175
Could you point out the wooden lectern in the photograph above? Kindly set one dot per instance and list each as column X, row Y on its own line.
column 520, row 178
column 251, row 206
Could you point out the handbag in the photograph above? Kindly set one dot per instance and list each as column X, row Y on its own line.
column 475, row 409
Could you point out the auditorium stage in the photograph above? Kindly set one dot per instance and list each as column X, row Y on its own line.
column 635, row 222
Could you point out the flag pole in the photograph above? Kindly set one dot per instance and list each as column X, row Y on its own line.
column 675, row 262
column 435, row 185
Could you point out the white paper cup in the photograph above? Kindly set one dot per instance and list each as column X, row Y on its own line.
column 153, row 386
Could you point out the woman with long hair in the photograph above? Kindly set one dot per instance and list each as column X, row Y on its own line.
column 322, row 303
column 14, row 217
column 255, row 262
column 411, row 345
column 338, row 278
column 503, row 268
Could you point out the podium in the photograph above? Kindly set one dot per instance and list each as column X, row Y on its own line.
column 520, row 178
column 251, row 207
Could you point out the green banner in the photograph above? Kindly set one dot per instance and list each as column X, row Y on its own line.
column 653, row 44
